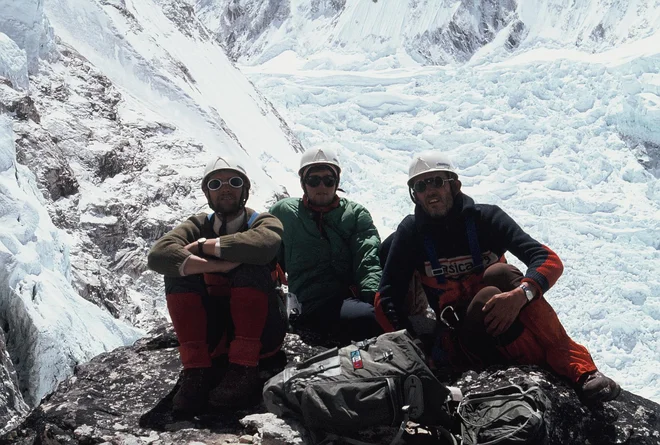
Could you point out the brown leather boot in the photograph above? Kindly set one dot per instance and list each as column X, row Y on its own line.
column 597, row 387
column 240, row 388
column 192, row 397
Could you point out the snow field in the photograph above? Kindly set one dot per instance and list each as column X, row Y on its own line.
column 545, row 138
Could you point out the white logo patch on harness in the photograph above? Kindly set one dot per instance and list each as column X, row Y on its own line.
column 458, row 266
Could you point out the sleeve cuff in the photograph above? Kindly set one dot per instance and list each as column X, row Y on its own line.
column 217, row 247
column 183, row 266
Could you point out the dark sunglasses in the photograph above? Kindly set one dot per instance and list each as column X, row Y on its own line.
column 436, row 181
column 315, row 181
column 215, row 184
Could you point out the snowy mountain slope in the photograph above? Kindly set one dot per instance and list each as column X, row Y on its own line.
column 178, row 72
column 561, row 131
column 398, row 33
column 116, row 123
column 47, row 326
column 24, row 24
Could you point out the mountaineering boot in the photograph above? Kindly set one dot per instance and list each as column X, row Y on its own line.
column 240, row 388
column 192, row 396
column 597, row 387
column 219, row 366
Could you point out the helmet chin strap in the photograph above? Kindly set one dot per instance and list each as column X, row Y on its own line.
column 412, row 195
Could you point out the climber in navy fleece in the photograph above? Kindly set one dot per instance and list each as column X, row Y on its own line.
column 487, row 310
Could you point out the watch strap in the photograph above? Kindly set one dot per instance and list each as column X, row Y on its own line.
column 529, row 293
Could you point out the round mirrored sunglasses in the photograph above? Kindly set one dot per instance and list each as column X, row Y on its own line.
column 315, row 181
column 215, row 184
column 436, row 181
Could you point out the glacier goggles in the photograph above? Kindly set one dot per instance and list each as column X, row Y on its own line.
column 436, row 181
column 215, row 184
column 315, row 181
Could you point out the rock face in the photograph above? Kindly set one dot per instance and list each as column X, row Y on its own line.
column 125, row 397
column 12, row 406
column 470, row 25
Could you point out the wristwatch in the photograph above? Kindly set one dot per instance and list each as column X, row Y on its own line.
column 528, row 292
column 200, row 246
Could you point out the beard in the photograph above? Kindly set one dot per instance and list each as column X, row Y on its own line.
column 321, row 200
column 438, row 209
column 227, row 205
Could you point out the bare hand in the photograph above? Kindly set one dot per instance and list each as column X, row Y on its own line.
column 192, row 248
column 502, row 310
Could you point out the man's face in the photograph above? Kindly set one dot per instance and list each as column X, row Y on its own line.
column 226, row 199
column 436, row 201
column 321, row 194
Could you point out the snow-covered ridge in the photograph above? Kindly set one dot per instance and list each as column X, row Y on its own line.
column 116, row 121
column 177, row 71
column 395, row 33
column 48, row 327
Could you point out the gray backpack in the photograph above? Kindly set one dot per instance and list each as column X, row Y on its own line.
column 383, row 381
column 509, row 415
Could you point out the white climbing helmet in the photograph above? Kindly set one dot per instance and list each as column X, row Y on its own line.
column 319, row 155
column 429, row 161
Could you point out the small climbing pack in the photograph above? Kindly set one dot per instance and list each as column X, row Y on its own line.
column 383, row 381
column 509, row 415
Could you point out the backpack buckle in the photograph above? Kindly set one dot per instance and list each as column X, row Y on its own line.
column 413, row 396
column 449, row 317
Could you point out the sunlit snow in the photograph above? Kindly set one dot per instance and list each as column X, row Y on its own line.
column 547, row 134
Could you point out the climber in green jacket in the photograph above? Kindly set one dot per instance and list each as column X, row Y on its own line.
column 330, row 253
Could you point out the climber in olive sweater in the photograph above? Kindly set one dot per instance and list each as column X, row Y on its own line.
column 221, row 294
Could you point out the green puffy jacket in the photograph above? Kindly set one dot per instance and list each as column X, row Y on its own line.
column 321, row 268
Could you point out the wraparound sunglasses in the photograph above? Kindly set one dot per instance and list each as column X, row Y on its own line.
column 436, row 181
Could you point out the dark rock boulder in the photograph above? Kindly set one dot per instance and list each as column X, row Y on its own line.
column 124, row 396
column 629, row 419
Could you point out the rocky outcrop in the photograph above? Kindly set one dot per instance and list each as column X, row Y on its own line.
column 472, row 26
column 241, row 26
column 125, row 397
column 12, row 406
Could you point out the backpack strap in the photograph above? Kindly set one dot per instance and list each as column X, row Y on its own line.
column 432, row 256
column 473, row 240
column 210, row 216
column 252, row 218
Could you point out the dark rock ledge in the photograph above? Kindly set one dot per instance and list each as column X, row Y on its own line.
column 124, row 397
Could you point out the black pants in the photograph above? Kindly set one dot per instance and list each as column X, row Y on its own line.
column 342, row 321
